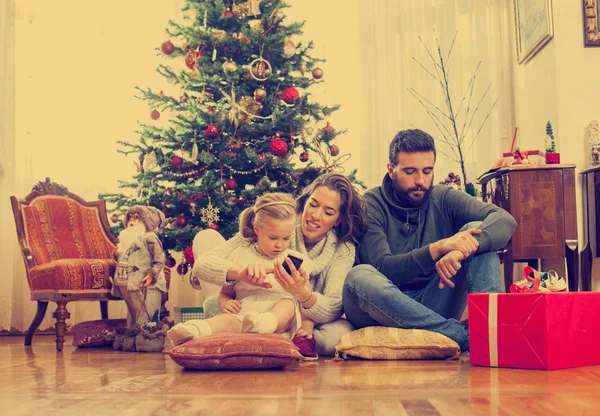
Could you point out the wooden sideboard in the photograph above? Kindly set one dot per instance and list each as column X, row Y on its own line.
column 542, row 201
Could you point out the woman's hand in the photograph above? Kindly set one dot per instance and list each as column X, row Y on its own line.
column 255, row 274
column 294, row 283
column 147, row 281
column 232, row 306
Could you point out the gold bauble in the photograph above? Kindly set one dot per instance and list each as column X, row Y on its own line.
column 251, row 108
column 219, row 34
column 229, row 66
column 289, row 49
column 303, row 68
column 259, row 94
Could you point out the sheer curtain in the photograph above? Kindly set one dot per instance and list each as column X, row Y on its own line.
column 389, row 40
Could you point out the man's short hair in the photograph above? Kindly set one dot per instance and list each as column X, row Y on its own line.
column 411, row 141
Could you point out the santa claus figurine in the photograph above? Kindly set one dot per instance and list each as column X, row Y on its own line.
column 139, row 277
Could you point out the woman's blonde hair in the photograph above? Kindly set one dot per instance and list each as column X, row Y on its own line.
column 277, row 206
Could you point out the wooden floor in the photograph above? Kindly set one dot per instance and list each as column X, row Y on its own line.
column 39, row 381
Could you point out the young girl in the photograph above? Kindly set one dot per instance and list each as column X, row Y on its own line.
column 267, row 228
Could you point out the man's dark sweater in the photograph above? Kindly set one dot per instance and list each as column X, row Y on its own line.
column 398, row 239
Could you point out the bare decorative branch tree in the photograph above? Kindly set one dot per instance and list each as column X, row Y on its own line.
column 453, row 125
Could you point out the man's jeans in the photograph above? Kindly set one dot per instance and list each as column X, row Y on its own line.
column 371, row 299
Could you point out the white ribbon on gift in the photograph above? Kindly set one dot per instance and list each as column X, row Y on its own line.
column 493, row 328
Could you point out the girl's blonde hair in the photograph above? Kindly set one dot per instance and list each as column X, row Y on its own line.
column 277, row 206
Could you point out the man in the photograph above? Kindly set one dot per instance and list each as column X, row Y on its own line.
column 426, row 246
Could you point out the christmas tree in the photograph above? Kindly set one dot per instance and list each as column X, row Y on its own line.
column 243, row 125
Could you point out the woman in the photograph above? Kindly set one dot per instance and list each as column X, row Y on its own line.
column 331, row 222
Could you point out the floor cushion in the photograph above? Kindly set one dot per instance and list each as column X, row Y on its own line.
column 236, row 351
column 383, row 343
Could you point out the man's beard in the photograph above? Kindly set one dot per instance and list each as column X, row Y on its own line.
column 404, row 195
column 130, row 235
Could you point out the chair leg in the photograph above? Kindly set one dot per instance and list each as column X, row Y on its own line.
column 61, row 314
column 104, row 309
column 37, row 320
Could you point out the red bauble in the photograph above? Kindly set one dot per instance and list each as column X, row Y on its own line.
column 176, row 161
column 214, row 226
column 278, row 147
column 211, row 131
column 170, row 261
column 317, row 73
column 191, row 58
column 281, row 182
column 188, row 254
column 334, row 150
column 154, row 115
column 290, row 95
column 304, row 157
column 329, row 128
column 211, row 110
column 114, row 218
column 167, row 48
column 227, row 14
column 182, row 268
column 181, row 221
column 231, row 184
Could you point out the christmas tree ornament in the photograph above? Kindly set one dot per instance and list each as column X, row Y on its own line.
column 154, row 115
column 214, row 226
column 229, row 66
column 176, row 161
column 317, row 73
column 194, row 153
column 219, row 35
column 250, row 108
column 303, row 157
column 303, row 68
column 188, row 255
column 334, row 150
column 290, row 95
column 227, row 15
column 248, row 8
column 231, row 184
column 167, row 48
column 170, row 261
column 278, row 146
column 193, row 209
column 283, row 181
column 289, row 48
column 150, row 161
column 161, row 92
column 211, row 131
column 181, row 221
column 182, row 269
column 552, row 155
column 191, row 58
column 211, row 110
column 242, row 38
column 260, row 69
column 259, row 94
column 209, row 214
column 256, row 26
column 114, row 218
column 327, row 132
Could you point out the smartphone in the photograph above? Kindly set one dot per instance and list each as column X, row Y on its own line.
column 295, row 260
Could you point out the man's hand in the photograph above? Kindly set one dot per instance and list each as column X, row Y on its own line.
column 255, row 274
column 462, row 241
column 232, row 306
column 147, row 281
column 448, row 266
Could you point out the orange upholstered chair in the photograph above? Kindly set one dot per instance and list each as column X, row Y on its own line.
column 66, row 244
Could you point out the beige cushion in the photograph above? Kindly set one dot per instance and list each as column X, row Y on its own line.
column 382, row 343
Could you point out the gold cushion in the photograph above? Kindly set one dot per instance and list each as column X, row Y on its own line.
column 382, row 343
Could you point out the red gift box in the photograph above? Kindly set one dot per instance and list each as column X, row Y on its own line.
column 545, row 331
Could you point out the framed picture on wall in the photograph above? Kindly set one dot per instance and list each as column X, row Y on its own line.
column 590, row 23
column 534, row 26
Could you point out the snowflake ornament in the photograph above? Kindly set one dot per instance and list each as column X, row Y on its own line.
column 209, row 214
